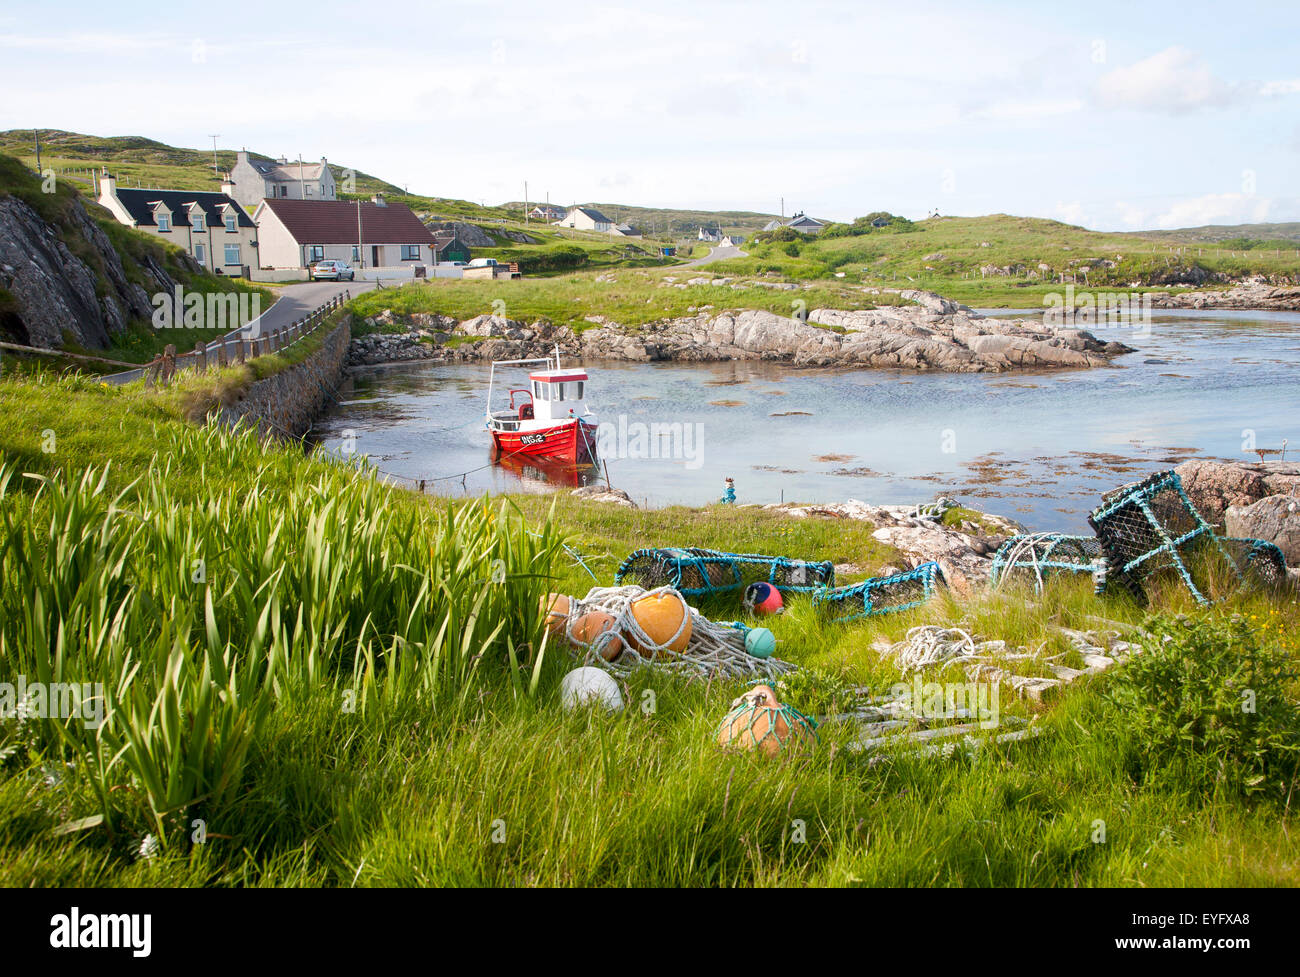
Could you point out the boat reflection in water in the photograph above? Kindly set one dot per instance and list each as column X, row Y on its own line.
column 544, row 474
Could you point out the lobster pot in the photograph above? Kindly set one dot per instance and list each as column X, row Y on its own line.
column 1037, row 556
column 1151, row 527
column 697, row 572
column 1263, row 561
column 881, row 595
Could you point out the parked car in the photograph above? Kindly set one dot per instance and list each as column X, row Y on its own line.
column 335, row 271
column 483, row 263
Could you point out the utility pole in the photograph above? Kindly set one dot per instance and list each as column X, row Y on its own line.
column 36, row 133
column 214, row 139
column 302, row 184
column 525, row 202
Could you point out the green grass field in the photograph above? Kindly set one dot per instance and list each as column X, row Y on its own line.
column 629, row 297
column 318, row 680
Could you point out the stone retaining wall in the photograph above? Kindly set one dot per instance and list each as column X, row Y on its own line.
column 288, row 403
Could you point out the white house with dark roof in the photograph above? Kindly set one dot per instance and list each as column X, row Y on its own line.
column 586, row 219
column 210, row 226
column 365, row 234
column 254, row 180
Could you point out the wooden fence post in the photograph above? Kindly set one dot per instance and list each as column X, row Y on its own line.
column 168, row 365
column 200, row 358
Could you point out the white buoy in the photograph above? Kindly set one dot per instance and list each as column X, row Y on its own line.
column 586, row 685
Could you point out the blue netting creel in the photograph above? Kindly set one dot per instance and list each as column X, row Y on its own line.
column 1150, row 527
column 1038, row 556
column 881, row 595
column 697, row 572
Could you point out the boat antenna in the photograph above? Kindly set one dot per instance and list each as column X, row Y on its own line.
column 557, row 356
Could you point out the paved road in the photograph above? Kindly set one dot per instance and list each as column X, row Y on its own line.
column 297, row 299
column 717, row 254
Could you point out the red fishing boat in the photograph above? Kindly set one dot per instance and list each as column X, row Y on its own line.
column 548, row 418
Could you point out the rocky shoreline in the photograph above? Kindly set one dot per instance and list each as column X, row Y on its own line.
column 934, row 334
column 1242, row 499
column 1254, row 294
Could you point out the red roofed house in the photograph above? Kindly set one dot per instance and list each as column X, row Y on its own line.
column 296, row 233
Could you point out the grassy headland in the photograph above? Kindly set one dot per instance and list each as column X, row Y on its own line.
column 318, row 680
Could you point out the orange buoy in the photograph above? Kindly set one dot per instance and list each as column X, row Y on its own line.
column 664, row 618
column 555, row 609
column 757, row 720
column 596, row 630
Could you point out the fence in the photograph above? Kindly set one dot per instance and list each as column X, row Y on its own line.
column 243, row 344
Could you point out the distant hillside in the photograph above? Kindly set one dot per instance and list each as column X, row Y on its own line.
column 138, row 161
column 668, row 222
column 1215, row 233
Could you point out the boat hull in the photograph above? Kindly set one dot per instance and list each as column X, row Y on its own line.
column 573, row 442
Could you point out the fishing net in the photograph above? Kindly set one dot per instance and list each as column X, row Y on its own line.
column 1150, row 528
column 696, row 572
column 1037, row 556
column 881, row 595
column 713, row 649
column 755, row 722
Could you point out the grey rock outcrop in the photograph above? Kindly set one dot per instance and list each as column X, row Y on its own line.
column 58, row 293
column 1274, row 518
column 1251, row 294
column 1214, row 486
column 913, row 337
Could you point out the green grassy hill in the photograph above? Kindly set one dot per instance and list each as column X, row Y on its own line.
column 1002, row 260
column 1243, row 235
column 138, row 161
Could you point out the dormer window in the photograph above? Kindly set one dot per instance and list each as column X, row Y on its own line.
column 164, row 222
column 199, row 225
column 230, row 221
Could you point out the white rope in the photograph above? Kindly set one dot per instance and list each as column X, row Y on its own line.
column 930, row 644
column 713, row 649
column 1026, row 545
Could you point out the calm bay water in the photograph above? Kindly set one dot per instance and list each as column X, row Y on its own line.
column 1040, row 447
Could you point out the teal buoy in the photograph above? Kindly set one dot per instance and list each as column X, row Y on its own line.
column 760, row 642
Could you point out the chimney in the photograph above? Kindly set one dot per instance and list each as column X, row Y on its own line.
column 107, row 185
column 228, row 186
column 378, row 200
column 241, row 157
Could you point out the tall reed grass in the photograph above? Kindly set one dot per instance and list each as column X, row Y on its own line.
column 200, row 616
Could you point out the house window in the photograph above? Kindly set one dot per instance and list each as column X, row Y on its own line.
column 307, row 189
column 199, row 255
column 164, row 223
column 232, row 254
column 316, row 252
column 198, row 223
column 230, row 222
column 356, row 252
column 410, row 252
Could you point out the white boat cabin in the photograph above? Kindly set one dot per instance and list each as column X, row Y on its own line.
column 558, row 394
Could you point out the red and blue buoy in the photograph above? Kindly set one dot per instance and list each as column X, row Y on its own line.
column 762, row 599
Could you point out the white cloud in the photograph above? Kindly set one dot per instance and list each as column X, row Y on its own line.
column 1174, row 80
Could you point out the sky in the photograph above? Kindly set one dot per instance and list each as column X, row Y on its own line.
column 1112, row 115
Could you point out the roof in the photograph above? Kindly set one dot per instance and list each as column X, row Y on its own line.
column 288, row 172
column 559, row 376
column 592, row 213
column 140, row 205
column 335, row 222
